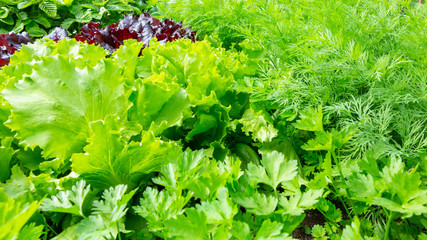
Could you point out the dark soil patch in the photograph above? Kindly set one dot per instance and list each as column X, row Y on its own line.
column 313, row 217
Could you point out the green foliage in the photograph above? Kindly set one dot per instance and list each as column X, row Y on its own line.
column 109, row 160
column 274, row 170
column 199, row 79
column 72, row 98
column 37, row 17
column 14, row 215
column 364, row 61
column 107, row 215
column 316, row 108
column 69, row 201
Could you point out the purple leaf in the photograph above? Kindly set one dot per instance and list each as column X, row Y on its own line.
column 9, row 43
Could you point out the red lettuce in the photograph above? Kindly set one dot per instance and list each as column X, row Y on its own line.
column 111, row 37
column 9, row 43
column 143, row 29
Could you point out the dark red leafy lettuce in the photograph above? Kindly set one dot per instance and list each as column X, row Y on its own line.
column 57, row 34
column 9, row 43
column 143, row 29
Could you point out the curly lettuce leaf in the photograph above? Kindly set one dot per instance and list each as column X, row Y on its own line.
column 110, row 160
column 205, row 75
column 52, row 107
column 209, row 124
column 159, row 103
column 200, row 68
column 6, row 153
column 259, row 124
column 127, row 57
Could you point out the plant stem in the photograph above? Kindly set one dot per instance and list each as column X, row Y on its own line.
column 387, row 230
column 329, row 220
column 341, row 200
column 338, row 163
column 342, row 179
column 51, row 229
column 118, row 231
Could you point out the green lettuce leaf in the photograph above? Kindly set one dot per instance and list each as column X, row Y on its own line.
column 127, row 57
column 110, row 160
column 210, row 124
column 204, row 74
column 6, row 153
column 201, row 69
column 65, row 98
column 159, row 103
column 259, row 124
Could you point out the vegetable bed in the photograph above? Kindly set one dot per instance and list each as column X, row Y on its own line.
column 257, row 119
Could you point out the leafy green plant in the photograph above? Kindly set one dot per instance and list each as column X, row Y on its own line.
column 37, row 17
column 362, row 60
column 188, row 140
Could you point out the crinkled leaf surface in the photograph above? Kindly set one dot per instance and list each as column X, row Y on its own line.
column 6, row 153
column 109, row 160
column 259, row 125
column 82, row 54
column 198, row 67
column 126, row 57
column 159, row 103
column 211, row 124
column 53, row 106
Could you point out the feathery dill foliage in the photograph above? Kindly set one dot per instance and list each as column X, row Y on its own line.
column 364, row 60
